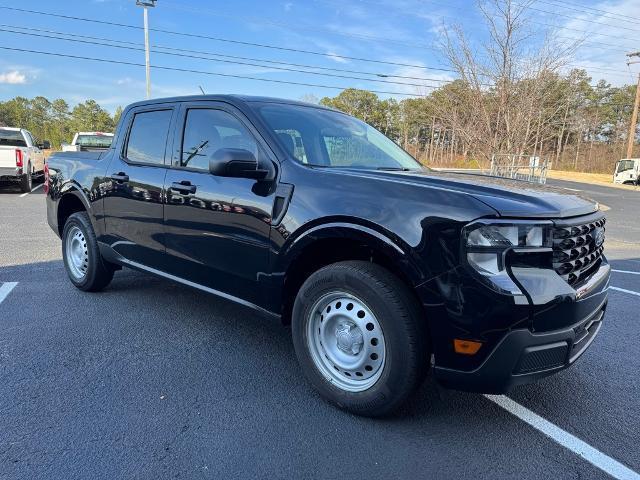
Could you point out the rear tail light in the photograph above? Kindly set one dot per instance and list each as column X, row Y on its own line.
column 19, row 158
column 45, row 187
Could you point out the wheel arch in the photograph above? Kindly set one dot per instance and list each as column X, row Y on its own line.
column 325, row 244
column 71, row 201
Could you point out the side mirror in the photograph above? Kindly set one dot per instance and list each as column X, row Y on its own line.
column 235, row 162
column 45, row 145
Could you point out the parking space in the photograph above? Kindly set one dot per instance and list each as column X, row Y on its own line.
column 150, row 379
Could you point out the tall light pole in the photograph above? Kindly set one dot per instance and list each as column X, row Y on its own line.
column 634, row 115
column 146, row 4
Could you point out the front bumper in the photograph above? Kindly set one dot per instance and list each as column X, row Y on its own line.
column 523, row 355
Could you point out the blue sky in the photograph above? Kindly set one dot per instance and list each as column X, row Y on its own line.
column 399, row 31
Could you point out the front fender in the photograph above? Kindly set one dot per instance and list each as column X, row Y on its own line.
column 374, row 237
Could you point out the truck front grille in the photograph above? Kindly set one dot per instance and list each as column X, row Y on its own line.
column 576, row 252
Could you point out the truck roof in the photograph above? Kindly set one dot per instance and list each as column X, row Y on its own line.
column 13, row 129
column 229, row 98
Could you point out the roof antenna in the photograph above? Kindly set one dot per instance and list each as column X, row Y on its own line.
column 201, row 89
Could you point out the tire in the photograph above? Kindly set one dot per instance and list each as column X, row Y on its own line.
column 26, row 182
column 368, row 350
column 85, row 267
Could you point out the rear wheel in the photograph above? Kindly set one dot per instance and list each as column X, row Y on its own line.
column 360, row 337
column 85, row 267
column 26, row 182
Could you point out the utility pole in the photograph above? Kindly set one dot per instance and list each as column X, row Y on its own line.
column 145, row 4
column 634, row 115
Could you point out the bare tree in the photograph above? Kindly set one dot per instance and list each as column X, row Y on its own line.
column 500, row 104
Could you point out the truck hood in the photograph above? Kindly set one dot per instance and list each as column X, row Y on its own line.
column 509, row 198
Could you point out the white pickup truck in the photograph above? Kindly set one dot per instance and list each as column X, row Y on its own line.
column 21, row 158
column 89, row 142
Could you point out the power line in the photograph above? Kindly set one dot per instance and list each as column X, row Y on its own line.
column 260, row 45
column 253, row 59
column 585, row 9
column 184, row 55
column 556, row 14
column 236, row 57
column 136, row 47
column 244, row 77
column 225, row 40
column 618, row 37
column 187, row 70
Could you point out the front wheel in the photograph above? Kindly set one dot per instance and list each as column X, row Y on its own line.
column 85, row 267
column 360, row 337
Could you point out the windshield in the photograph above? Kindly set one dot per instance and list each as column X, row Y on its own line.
column 12, row 138
column 325, row 138
column 96, row 141
column 624, row 165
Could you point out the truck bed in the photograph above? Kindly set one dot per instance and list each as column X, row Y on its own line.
column 81, row 166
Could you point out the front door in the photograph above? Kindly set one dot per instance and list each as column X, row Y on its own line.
column 133, row 201
column 217, row 228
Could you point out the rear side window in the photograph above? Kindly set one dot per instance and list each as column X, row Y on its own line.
column 148, row 137
column 208, row 130
column 12, row 138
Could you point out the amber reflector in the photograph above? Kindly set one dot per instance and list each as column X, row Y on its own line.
column 466, row 347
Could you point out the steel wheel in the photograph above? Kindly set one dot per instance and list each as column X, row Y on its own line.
column 346, row 341
column 77, row 253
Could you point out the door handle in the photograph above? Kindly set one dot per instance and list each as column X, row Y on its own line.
column 120, row 177
column 185, row 187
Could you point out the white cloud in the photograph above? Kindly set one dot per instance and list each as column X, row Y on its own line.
column 336, row 58
column 13, row 77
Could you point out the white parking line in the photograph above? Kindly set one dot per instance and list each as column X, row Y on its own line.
column 626, row 271
column 567, row 440
column 624, row 290
column 32, row 190
column 5, row 289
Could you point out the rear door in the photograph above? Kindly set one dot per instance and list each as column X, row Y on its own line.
column 133, row 203
column 217, row 228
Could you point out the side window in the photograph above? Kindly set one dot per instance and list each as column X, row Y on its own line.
column 206, row 131
column 148, row 137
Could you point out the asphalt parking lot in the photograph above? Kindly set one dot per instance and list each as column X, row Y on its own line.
column 150, row 379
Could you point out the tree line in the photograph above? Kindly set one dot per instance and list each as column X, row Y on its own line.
column 55, row 120
column 579, row 127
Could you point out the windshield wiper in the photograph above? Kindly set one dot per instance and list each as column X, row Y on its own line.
column 396, row 169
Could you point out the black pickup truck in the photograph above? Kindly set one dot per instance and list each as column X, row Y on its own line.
column 385, row 269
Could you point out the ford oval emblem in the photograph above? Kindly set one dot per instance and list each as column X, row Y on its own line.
column 598, row 236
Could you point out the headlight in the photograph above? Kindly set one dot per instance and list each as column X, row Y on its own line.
column 486, row 242
column 505, row 236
